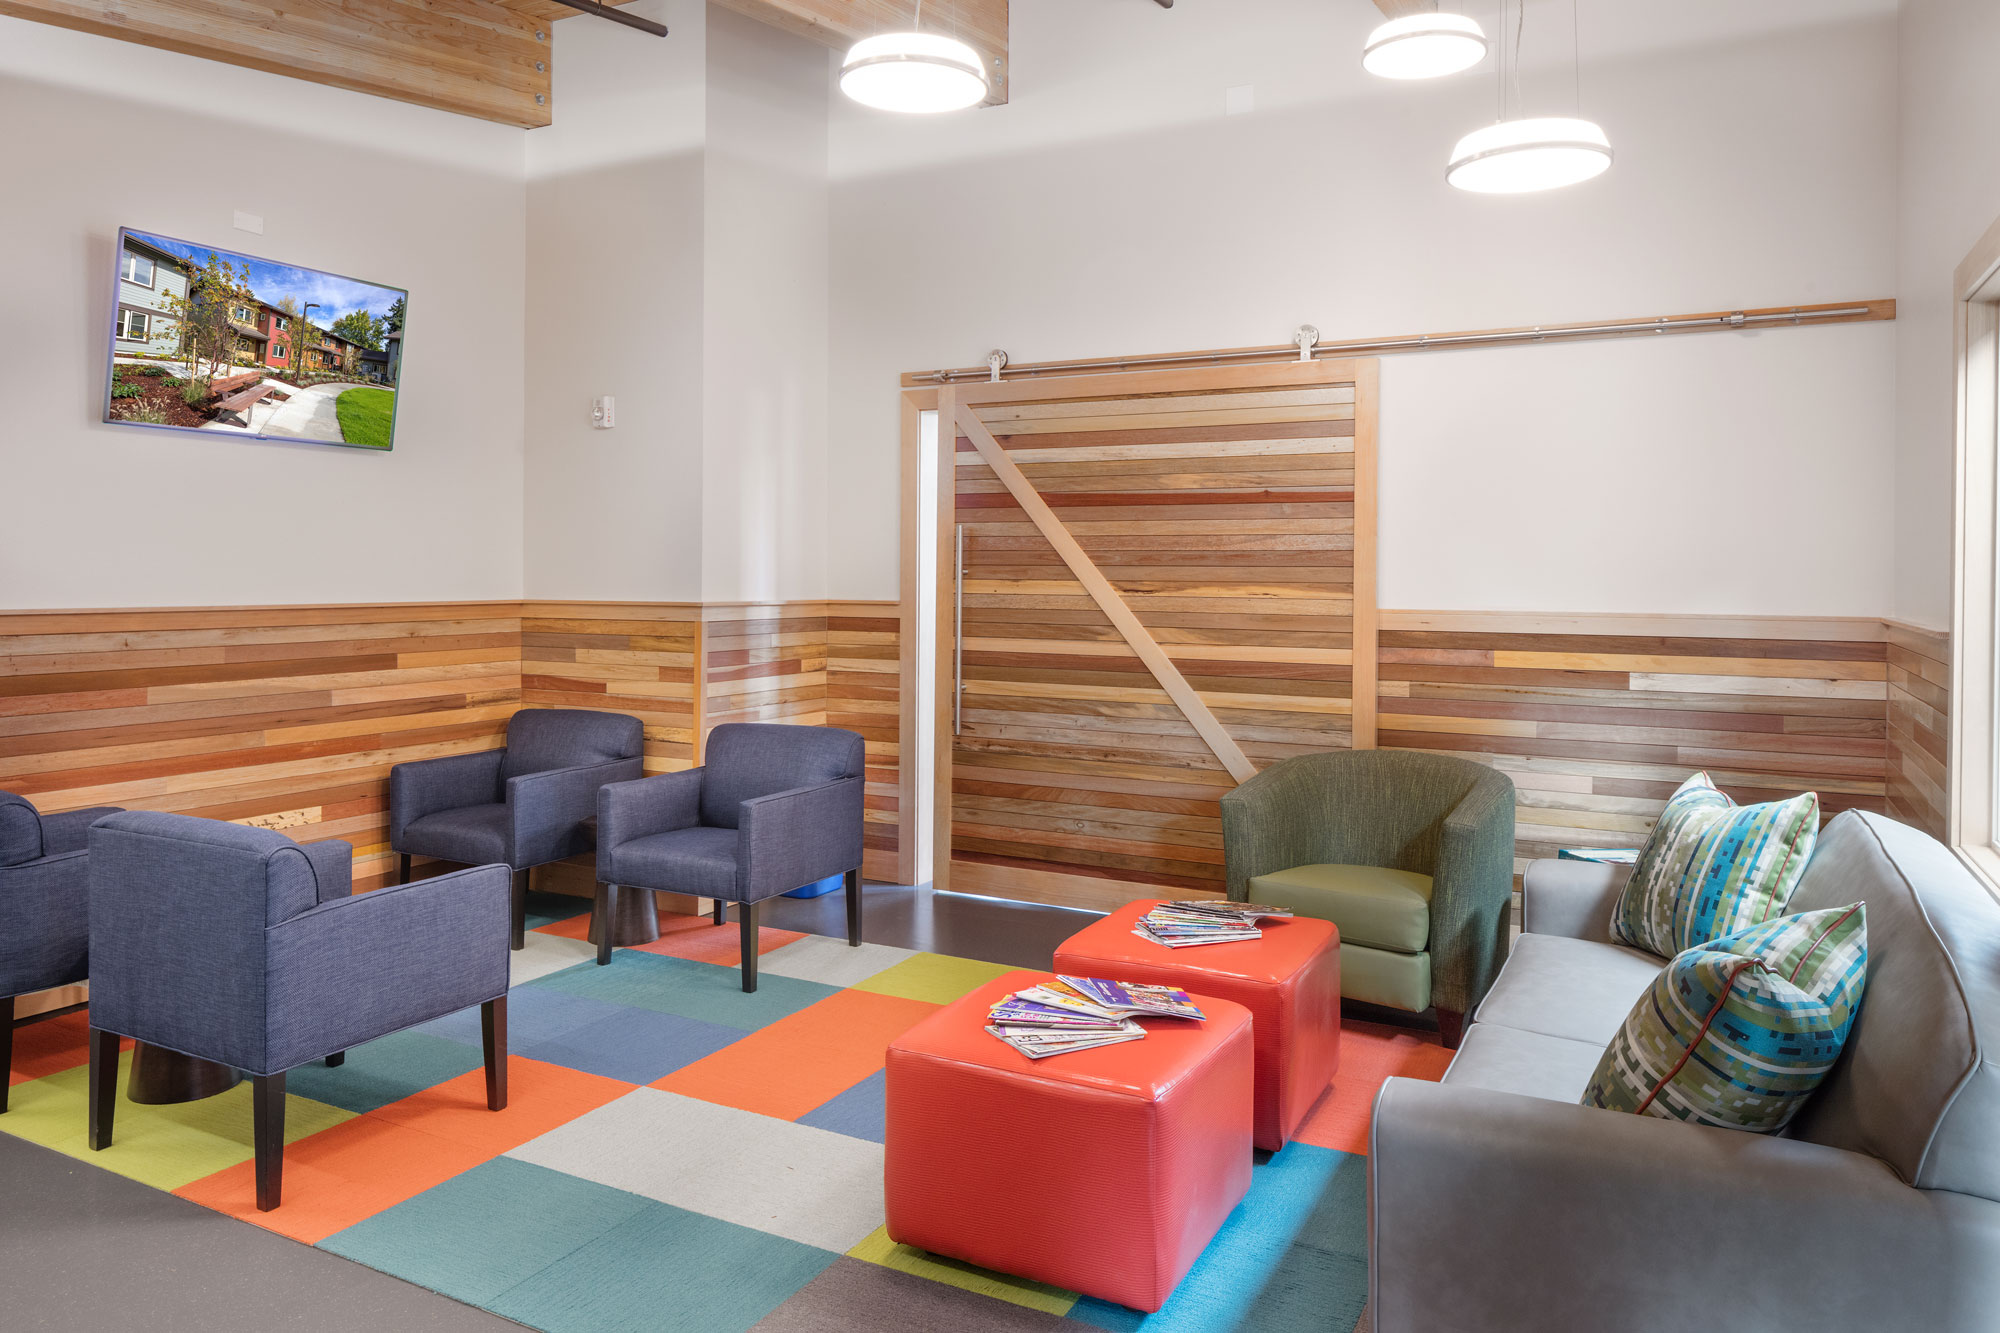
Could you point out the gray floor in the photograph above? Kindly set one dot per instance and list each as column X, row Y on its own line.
column 81, row 1248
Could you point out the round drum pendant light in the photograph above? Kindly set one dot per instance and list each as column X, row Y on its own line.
column 1522, row 156
column 917, row 73
column 1424, row 46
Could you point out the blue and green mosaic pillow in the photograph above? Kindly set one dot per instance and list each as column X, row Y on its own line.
column 1712, row 867
column 1740, row 1031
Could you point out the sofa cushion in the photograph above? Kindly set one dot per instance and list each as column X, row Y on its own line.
column 540, row 740
column 1504, row 1059
column 1561, row 987
column 700, row 861
column 1738, row 1033
column 744, row 760
column 473, row 835
column 1379, row 908
column 1712, row 867
column 1914, row 1086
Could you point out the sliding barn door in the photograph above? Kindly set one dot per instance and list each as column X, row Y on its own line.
column 1165, row 582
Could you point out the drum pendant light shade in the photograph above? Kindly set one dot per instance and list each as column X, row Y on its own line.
column 1424, row 46
column 917, row 73
column 1522, row 156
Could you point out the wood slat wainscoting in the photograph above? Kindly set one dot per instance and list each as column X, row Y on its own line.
column 763, row 662
column 1598, row 718
column 282, row 717
column 864, row 694
column 1919, row 725
column 639, row 658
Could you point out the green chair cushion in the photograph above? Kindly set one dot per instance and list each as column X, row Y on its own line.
column 1382, row 909
column 1395, row 980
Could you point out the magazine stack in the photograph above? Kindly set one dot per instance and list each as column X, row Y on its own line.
column 1081, row 1014
column 1205, row 921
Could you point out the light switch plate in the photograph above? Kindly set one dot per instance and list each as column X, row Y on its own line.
column 604, row 412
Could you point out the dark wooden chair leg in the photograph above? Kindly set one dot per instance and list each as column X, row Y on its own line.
column 600, row 920
column 1451, row 1028
column 721, row 911
column 403, row 868
column 854, row 907
column 520, row 909
column 6, row 1049
column 746, row 914
column 493, row 1037
column 103, row 1087
column 267, row 1109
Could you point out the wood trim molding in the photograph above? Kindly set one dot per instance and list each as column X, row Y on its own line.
column 1108, row 599
column 1867, row 629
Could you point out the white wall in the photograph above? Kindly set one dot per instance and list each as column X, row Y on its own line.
column 1950, row 193
column 101, row 134
column 764, row 518
column 1112, row 208
column 614, row 262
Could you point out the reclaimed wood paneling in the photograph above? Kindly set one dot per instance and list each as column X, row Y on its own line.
column 639, row 658
column 283, row 717
column 1597, row 730
column 764, row 662
column 864, row 694
column 1919, row 726
column 1225, row 512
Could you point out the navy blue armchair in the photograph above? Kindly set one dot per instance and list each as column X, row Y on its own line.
column 521, row 806
column 239, row 946
column 773, row 808
column 44, row 907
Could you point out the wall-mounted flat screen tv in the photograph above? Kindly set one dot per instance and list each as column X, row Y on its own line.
column 208, row 339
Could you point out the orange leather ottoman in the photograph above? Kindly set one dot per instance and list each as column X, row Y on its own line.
column 1289, row 981
column 1103, row 1171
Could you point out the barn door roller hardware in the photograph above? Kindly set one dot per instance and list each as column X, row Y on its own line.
column 616, row 16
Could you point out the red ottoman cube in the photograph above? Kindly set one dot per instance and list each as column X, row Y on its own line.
column 1289, row 981
column 1104, row 1172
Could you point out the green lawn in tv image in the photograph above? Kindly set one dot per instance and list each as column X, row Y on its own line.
column 213, row 340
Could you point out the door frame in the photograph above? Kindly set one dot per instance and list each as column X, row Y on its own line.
column 1363, row 372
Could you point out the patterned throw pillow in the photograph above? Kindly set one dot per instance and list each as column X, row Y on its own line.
column 1712, row 867
column 1738, row 1032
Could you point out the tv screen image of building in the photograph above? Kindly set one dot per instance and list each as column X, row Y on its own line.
column 205, row 338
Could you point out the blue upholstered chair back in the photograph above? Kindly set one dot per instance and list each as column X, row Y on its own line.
column 540, row 739
column 744, row 760
column 178, row 912
column 20, row 830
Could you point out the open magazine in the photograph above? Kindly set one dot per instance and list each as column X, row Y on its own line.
column 1185, row 925
column 1081, row 1014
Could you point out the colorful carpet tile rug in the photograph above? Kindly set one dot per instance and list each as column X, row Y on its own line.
column 679, row 1156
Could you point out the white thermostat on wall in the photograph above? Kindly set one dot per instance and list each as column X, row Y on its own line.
column 604, row 412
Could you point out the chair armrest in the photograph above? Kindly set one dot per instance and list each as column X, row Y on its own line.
column 1472, row 892
column 1571, row 898
column 333, row 867
column 427, row 786
column 44, row 923
column 792, row 838
column 1275, row 821
column 357, row 968
column 546, row 810
column 1500, row 1212
column 70, row 830
column 659, row 804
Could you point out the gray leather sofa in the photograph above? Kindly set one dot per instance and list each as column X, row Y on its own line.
column 1496, row 1202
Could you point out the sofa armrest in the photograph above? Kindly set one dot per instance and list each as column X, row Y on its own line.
column 427, row 786
column 354, row 969
column 793, row 838
column 1571, row 898
column 333, row 867
column 44, row 923
column 546, row 810
column 662, row 803
column 70, row 830
column 1500, row 1212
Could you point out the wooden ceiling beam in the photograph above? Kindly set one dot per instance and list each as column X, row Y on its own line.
column 474, row 57
column 841, row 23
